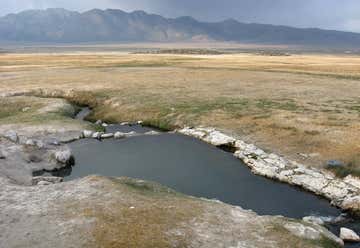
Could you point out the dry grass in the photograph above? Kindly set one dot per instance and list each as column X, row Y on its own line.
column 306, row 104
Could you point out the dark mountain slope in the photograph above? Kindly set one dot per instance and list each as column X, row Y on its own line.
column 60, row 25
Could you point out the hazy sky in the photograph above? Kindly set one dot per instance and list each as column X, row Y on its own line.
column 330, row 14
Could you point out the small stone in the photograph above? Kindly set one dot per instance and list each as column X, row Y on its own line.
column 119, row 135
column 30, row 142
column 124, row 123
column 129, row 134
column 107, row 135
column 140, row 122
column 349, row 235
column 40, row 144
column 97, row 135
column 98, row 122
column 314, row 219
column 2, row 155
column 25, row 109
column 50, row 180
column 43, row 183
column 104, row 124
column 32, row 158
column 152, row 133
column 64, row 157
column 87, row 133
column 12, row 136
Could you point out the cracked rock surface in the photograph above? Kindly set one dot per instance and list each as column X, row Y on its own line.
column 344, row 193
column 121, row 212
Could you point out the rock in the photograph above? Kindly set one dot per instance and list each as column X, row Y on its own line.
column 314, row 219
column 40, row 144
column 351, row 203
column 349, row 235
column 193, row 132
column 97, row 135
column 354, row 181
column 2, row 155
column 98, row 122
column 311, row 232
column 119, row 135
column 130, row 134
column 87, row 133
column 334, row 163
column 139, row 122
column 43, row 183
column 50, row 180
column 64, row 157
column 124, row 123
column 107, row 135
column 30, row 142
column 25, row 109
column 54, row 142
column 217, row 138
column 152, row 133
column 33, row 158
column 12, row 136
column 104, row 124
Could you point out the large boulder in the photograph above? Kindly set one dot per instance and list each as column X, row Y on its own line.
column 349, row 235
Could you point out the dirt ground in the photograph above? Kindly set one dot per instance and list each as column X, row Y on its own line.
column 306, row 107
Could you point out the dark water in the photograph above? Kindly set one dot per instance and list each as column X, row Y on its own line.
column 195, row 168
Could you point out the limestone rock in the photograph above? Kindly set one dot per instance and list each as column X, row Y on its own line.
column 119, row 135
column 43, row 183
column 354, row 181
column 152, row 133
column 2, row 155
column 97, row 135
column 314, row 219
column 107, row 135
column 217, row 138
column 12, row 136
column 64, row 157
column 30, row 142
column 49, row 180
column 130, row 134
column 87, row 133
column 349, row 235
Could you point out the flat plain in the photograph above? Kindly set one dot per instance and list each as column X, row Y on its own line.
column 304, row 106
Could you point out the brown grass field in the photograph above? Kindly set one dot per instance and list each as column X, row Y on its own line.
column 306, row 107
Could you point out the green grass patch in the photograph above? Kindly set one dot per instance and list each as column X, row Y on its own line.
column 161, row 124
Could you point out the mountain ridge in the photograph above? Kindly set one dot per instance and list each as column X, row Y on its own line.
column 115, row 25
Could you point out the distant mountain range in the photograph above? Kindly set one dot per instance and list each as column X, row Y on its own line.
column 112, row 25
